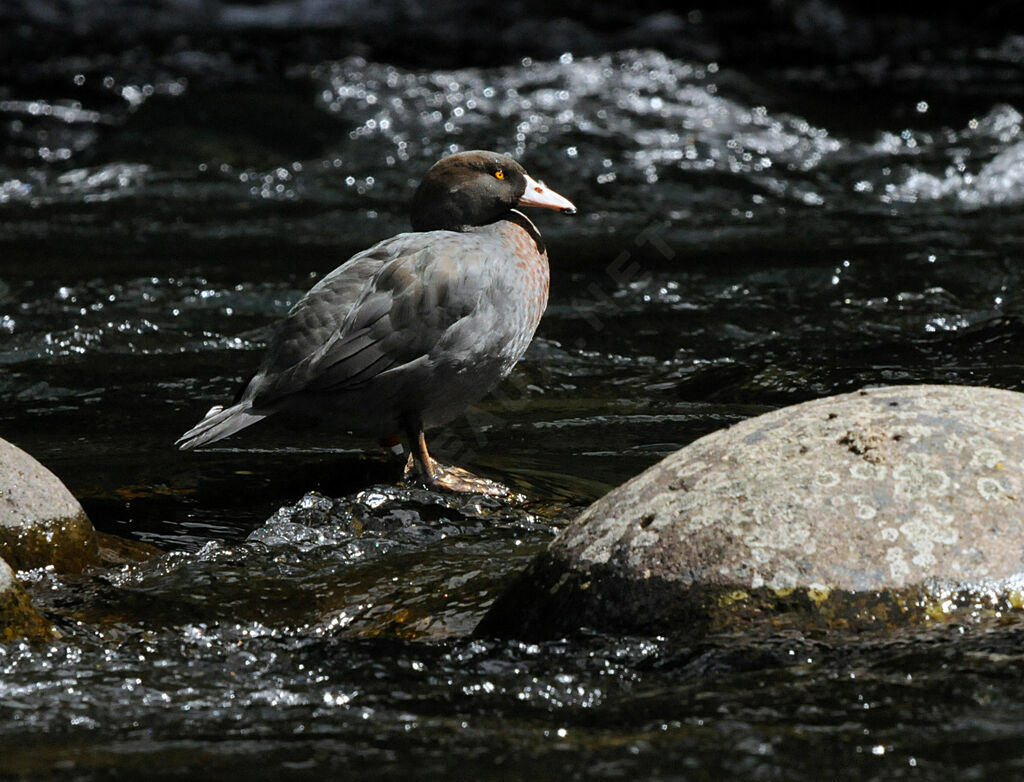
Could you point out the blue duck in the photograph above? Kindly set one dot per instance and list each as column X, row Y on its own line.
column 404, row 336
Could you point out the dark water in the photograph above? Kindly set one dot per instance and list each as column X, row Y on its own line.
column 747, row 238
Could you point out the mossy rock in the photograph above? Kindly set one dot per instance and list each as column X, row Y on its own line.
column 18, row 617
column 872, row 509
column 41, row 523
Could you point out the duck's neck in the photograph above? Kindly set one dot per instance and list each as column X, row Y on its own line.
column 516, row 217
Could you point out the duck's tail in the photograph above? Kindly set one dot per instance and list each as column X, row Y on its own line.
column 217, row 424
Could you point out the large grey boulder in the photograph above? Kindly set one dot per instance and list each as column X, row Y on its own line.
column 41, row 523
column 867, row 509
column 18, row 618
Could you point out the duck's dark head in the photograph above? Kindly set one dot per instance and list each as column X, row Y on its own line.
column 476, row 188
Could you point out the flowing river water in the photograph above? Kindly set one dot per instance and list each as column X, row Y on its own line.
column 738, row 247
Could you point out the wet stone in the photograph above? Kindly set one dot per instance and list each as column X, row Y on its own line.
column 18, row 617
column 41, row 523
column 115, row 551
column 873, row 509
column 385, row 562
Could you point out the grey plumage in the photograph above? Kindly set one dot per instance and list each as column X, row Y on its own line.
column 407, row 334
column 418, row 310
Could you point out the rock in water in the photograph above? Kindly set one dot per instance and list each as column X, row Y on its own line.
column 870, row 509
column 41, row 523
column 18, row 618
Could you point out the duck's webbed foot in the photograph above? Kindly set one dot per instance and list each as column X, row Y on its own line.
column 423, row 468
column 439, row 476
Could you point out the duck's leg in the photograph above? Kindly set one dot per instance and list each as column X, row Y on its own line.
column 424, row 468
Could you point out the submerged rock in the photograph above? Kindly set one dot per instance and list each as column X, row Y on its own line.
column 115, row 550
column 868, row 509
column 18, row 617
column 41, row 523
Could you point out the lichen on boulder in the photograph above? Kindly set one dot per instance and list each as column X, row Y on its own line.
column 874, row 508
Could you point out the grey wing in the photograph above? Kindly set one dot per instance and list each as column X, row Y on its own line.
column 343, row 334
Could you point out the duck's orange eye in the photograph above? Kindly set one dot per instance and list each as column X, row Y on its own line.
column 499, row 174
